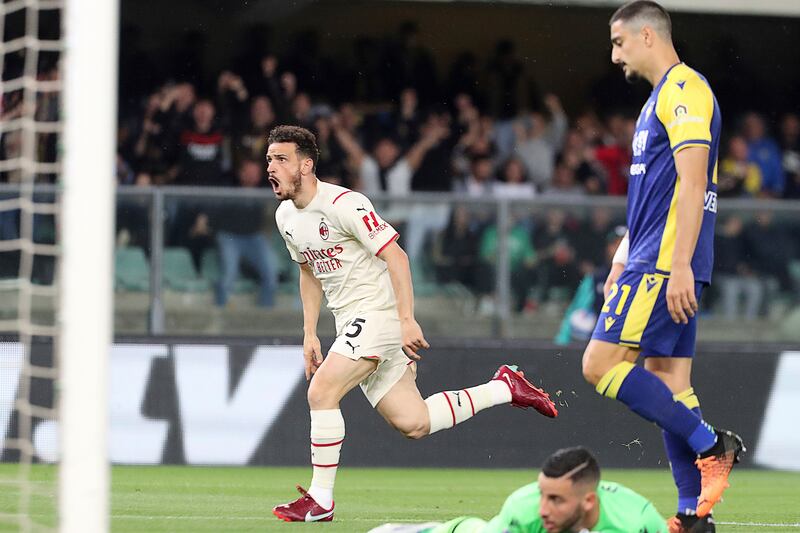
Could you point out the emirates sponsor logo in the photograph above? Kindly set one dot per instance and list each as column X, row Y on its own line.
column 323, row 253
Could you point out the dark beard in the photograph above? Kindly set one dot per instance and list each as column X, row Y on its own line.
column 296, row 186
column 633, row 77
column 297, row 183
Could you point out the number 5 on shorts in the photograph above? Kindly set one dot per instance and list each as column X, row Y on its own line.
column 356, row 324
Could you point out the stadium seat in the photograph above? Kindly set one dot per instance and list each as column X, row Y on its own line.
column 131, row 269
column 179, row 271
column 209, row 270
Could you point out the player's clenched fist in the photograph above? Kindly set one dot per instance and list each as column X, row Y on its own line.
column 413, row 339
column 312, row 354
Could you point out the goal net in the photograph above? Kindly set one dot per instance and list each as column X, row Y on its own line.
column 57, row 133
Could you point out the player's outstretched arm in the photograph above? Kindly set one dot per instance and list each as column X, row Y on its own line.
column 311, row 296
column 692, row 166
column 400, row 274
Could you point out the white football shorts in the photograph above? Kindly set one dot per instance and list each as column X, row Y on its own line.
column 374, row 335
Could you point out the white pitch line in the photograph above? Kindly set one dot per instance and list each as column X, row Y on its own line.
column 758, row 524
column 268, row 518
column 359, row 519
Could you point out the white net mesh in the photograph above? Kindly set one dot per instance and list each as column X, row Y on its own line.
column 30, row 126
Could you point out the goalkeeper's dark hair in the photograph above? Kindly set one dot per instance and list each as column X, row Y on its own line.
column 305, row 140
column 645, row 12
column 577, row 463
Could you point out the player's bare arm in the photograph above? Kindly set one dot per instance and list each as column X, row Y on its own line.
column 311, row 296
column 691, row 164
column 617, row 265
column 400, row 274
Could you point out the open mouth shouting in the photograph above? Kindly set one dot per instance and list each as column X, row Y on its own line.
column 275, row 185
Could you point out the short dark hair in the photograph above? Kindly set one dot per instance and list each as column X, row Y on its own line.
column 578, row 460
column 646, row 11
column 305, row 140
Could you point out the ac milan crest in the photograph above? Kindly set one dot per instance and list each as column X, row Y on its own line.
column 324, row 232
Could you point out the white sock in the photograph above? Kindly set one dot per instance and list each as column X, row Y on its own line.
column 448, row 408
column 327, row 435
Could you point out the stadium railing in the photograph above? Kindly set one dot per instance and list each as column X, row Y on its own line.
column 506, row 290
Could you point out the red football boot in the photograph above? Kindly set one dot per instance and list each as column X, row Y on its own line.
column 523, row 393
column 303, row 509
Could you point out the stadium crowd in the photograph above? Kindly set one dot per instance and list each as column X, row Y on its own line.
column 387, row 122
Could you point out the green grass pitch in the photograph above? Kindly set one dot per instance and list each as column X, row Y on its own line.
column 194, row 499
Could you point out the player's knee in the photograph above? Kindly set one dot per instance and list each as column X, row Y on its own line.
column 592, row 371
column 318, row 395
column 412, row 428
column 416, row 432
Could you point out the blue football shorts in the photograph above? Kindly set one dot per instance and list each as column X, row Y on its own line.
column 635, row 314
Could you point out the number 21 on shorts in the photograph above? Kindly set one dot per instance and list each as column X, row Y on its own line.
column 623, row 292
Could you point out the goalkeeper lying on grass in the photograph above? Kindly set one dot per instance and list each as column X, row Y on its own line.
column 568, row 497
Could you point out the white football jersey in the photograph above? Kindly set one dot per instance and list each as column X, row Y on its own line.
column 340, row 235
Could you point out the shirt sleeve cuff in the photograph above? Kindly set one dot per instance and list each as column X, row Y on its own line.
column 693, row 142
column 390, row 241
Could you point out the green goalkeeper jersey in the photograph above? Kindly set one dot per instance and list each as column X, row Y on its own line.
column 621, row 511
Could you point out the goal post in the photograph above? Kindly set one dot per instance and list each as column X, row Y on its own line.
column 90, row 31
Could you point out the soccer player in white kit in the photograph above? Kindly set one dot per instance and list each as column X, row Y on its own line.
column 346, row 251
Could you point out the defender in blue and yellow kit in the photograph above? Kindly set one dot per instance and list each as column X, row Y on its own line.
column 664, row 263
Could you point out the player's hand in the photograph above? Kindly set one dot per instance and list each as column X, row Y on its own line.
column 613, row 276
column 681, row 300
column 312, row 354
column 413, row 339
